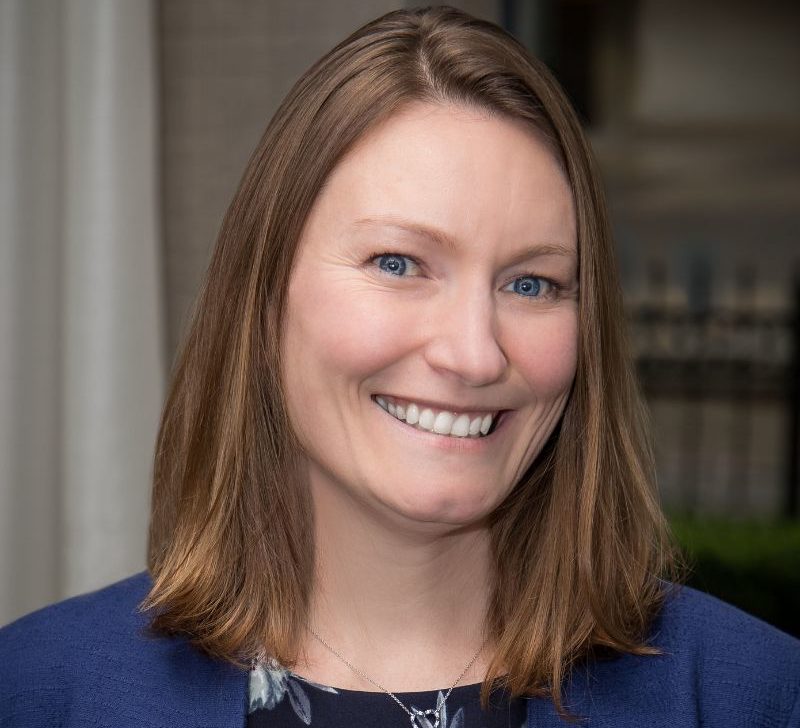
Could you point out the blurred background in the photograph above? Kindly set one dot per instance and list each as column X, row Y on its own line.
column 125, row 126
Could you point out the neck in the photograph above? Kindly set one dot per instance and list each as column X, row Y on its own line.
column 404, row 602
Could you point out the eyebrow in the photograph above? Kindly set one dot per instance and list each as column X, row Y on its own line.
column 444, row 240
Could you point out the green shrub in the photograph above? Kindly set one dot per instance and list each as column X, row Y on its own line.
column 753, row 565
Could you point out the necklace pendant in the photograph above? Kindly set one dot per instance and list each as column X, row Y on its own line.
column 419, row 718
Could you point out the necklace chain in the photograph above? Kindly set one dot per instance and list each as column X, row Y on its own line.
column 413, row 715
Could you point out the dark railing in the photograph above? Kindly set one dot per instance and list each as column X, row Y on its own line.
column 745, row 360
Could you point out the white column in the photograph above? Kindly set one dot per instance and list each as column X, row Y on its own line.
column 81, row 345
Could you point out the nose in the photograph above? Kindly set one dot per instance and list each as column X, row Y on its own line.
column 463, row 340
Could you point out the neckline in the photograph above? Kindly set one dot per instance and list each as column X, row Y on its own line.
column 457, row 690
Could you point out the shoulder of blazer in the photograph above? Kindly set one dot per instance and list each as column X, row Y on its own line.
column 89, row 660
column 719, row 667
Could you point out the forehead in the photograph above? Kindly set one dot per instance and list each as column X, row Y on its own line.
column 456, row 168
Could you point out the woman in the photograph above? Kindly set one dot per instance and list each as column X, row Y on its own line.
column 403, row 473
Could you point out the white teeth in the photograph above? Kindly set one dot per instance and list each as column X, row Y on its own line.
column 426, row 419
column 442, row 423
column 460, row 426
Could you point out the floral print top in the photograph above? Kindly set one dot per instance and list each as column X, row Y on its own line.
column 280, row 699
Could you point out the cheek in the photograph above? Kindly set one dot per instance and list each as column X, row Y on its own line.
column 347, row 334
column 547, row 358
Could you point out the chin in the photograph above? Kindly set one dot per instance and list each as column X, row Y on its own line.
column 452, row 510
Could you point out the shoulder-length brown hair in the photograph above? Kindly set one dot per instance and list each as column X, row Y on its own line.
column 581, row 546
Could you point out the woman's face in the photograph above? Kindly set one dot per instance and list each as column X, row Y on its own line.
column 437, row 274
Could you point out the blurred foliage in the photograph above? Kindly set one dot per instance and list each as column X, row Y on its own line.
column 752, row 565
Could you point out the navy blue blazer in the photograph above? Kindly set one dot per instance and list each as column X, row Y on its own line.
column 86, row 662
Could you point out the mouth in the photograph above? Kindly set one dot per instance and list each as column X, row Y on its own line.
column 448, row 424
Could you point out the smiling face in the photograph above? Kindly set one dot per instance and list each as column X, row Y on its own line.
column 435, row 281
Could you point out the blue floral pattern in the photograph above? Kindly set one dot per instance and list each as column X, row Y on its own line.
column 270, row 683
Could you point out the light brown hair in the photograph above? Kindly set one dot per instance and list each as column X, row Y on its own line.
column 581, row 547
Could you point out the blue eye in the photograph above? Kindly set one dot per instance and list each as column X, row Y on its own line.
column 394, row 263
column 528, row 286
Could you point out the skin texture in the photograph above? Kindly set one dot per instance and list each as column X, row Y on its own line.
column 403, row 553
